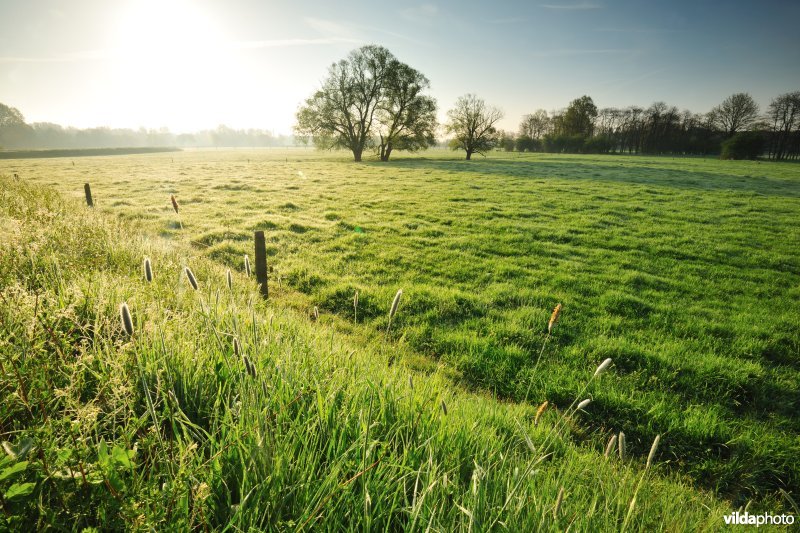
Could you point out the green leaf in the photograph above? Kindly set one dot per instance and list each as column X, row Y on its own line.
column 19, row 490
column 122, row 457
column 102, row 454
column 13, row 469
column 115, row 481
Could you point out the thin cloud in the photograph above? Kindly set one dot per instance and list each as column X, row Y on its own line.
column 423, row 14
column 624, row 82
column 286, row 43
column 637, row 30
column 354, row 33
column 581, row 52
column 509, row 20
column 329, row 27
column 572, row 7
column 101, row 55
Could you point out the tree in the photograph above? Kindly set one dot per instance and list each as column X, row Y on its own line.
column 14, row 132
column 472, row 122
column 736, row 113
column 536, row 125
column 406, row 118
column 506, row 141
column 784, row 114
column 579, row 117
column 369, row 90
column 743, row 145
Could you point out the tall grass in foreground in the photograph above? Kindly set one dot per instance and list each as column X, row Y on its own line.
column 237, row 414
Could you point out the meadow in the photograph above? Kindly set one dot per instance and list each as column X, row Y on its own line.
column 684, row 271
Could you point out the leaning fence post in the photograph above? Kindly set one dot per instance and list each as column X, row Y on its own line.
column 261, row 263
column 88, row 191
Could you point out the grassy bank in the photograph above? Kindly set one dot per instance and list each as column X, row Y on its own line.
column 165, row 427
column 684, row 271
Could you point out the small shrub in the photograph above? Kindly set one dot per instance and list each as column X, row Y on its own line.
column 745, row 145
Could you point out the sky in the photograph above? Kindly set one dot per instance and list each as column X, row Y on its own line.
column 189, row 65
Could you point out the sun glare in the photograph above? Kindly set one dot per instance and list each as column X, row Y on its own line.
column 172, row 61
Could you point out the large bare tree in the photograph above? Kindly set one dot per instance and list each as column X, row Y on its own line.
column 736, row 113
column 784, row 114
column 472, row 122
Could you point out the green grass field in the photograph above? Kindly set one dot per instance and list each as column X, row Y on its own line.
column 686, row 272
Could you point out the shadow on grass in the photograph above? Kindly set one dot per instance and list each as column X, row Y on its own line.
column 642, row 173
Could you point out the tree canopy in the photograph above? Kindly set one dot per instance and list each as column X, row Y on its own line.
column 370, row 93
column 736, row 113
column 472, row 122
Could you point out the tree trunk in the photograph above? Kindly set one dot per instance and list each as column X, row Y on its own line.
column 469, row 155
column 387, row 152
column 357, row 154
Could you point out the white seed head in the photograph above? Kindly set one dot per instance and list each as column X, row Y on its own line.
column 610, row 446
column 247, row 265
column 395, row 303
column 653, row 450
column 229, row 277
column 603, row 367
column 621, row 445
column 583, row 404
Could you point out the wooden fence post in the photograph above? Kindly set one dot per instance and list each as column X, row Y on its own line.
column 88, row 191
column 261, row 263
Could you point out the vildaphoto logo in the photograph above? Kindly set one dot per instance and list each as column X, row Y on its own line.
column 747, row 519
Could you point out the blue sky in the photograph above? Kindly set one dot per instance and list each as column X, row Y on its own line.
column 187, row 64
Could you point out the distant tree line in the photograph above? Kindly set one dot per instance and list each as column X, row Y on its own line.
column 16, row 134
column 735, row 129
column 372, row 101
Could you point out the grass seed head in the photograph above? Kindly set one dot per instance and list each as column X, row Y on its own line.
column 540, row 411
column 190, row 277
column 559, row 499
column 610, row 446
column 554, row 318
column 621, row 445
column 315, row 313
column 174, row 203
column 249, row 366
column 583, row 404
column 444, row 408
column 148, row 270
column 247, row 265
column 229, row 277
column 237, row 348
column 653, row 450
column 603, row 367
column 395, row 303
column 355, row 300
column 127, row 320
